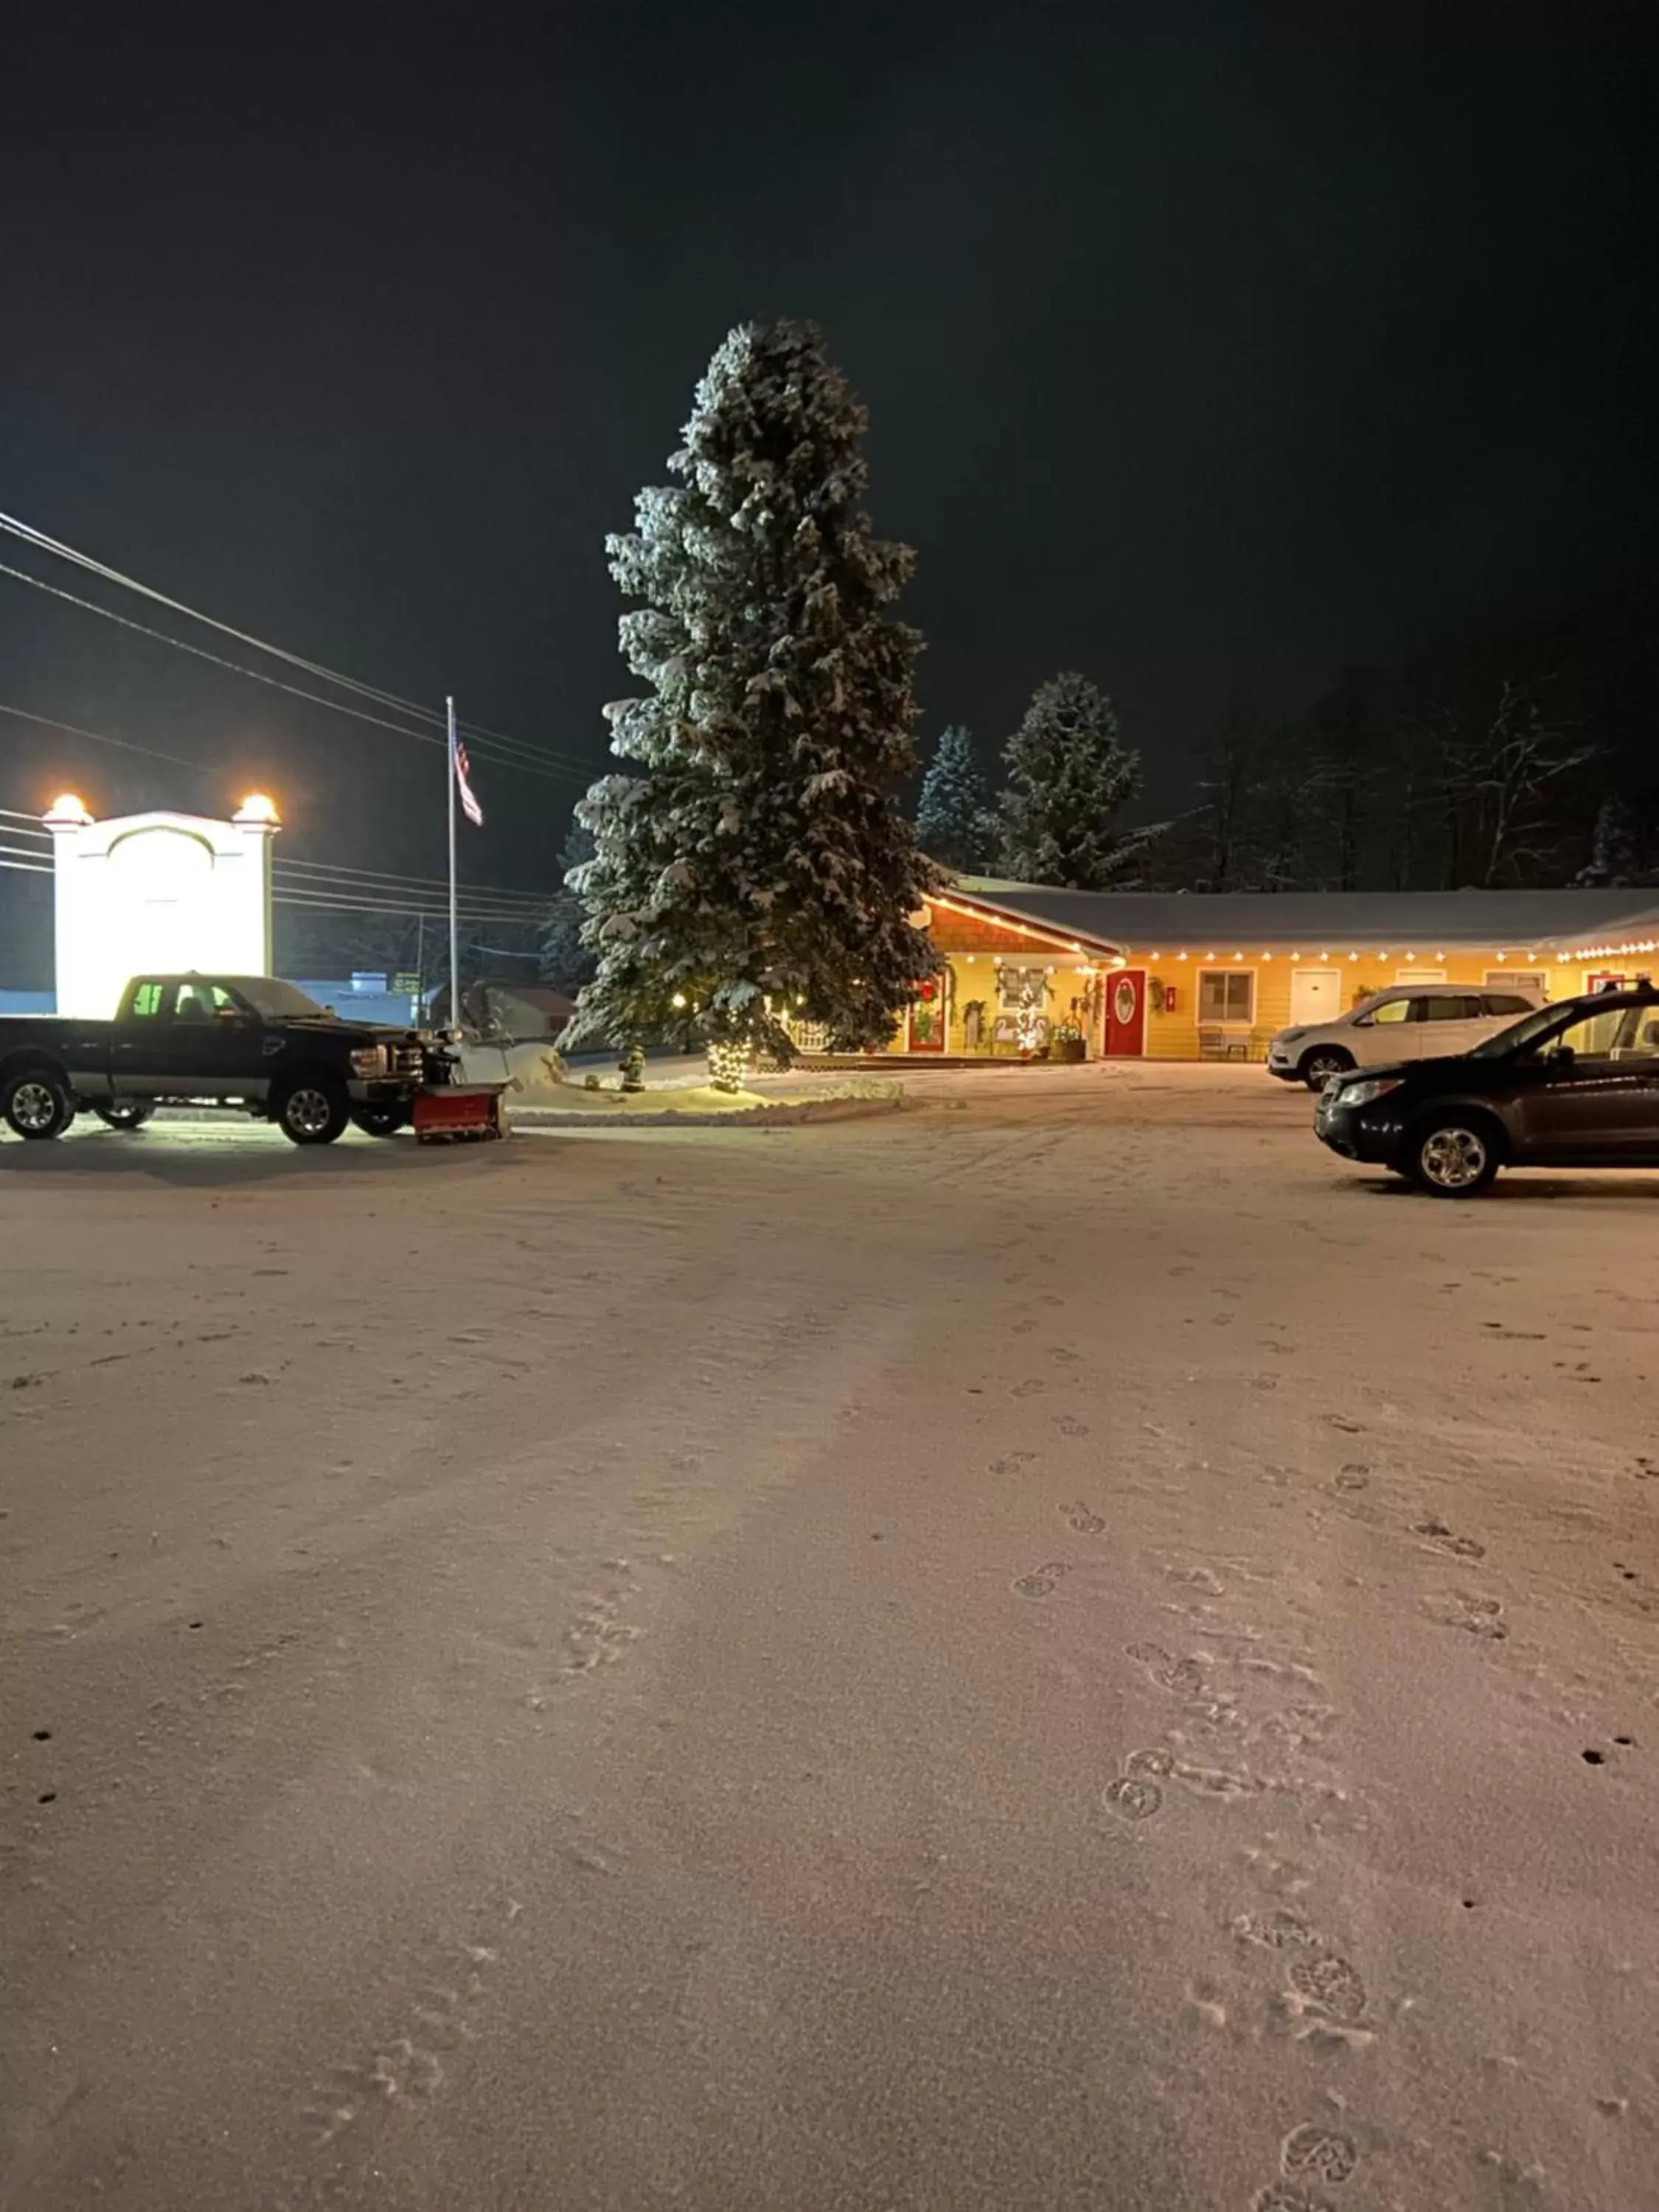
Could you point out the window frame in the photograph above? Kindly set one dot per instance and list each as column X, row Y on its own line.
column 1227, row 1021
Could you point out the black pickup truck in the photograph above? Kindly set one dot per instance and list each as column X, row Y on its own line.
column 237, row 1040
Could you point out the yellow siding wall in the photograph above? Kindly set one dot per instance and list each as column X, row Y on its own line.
column 974, row 976
column 1175, row 1035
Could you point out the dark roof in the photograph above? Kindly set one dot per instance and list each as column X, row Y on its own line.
column 1422, row 920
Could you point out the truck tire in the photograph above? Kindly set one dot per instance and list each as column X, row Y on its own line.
column 313, row 1110
column 37, row 1102
column 125, row 1113
column 380, row 1120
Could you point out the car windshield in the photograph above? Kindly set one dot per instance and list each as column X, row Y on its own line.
column 1530, row 1027
column 277, row 1002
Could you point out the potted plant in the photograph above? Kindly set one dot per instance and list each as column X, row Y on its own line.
column 1066, row 1041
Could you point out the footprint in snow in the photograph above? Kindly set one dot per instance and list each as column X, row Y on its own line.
column 1322, row 2152
column 1460, row 1547
column 1042, row 1580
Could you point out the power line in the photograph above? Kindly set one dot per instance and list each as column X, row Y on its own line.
column 403, row 909
column 125, row 744
column 539, row 765
column 539, row 899
column 37, row 539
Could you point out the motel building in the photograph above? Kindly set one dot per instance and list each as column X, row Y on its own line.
column 1188, row 975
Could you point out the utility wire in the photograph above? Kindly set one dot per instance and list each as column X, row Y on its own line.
column 124, row 744
column 38, row 538
column 531, row 765
column 428, row 883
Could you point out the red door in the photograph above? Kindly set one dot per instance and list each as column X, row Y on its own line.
column 1125, row 1014
column 927, row 1018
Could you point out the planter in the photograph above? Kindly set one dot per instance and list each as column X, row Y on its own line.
column 1065, row 1048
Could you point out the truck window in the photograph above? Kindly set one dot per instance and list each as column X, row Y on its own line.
column 146, row 1001
column 197, row 1001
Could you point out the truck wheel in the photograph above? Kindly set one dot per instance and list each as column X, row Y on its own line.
column 37, row 1102
column 313, row 1110
column 125, row 1113
column 1457, row 1156
column 380, row 1120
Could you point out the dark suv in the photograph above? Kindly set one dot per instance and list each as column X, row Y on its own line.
column 1573, row 1085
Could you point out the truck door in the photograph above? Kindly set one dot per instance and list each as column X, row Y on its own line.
column 138, row 1054
column 189, row 1038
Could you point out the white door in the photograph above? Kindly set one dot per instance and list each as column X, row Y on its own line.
column 1316, row 995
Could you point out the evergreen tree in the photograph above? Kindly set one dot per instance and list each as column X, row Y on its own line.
column 1613, row 859
column 1068, row 778
column 754, row 862
column 951, row 813
column 566, row 963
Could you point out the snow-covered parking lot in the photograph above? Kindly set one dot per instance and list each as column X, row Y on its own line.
column 1056, row 1649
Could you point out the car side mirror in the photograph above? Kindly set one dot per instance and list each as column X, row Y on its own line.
column 1560, row 1055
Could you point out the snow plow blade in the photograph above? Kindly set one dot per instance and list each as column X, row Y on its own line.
column 461, row 1112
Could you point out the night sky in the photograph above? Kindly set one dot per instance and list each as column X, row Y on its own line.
column 1203, row 346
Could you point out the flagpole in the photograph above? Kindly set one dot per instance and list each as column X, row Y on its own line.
column 454, row 921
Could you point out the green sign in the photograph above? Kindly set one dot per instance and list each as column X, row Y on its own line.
column 411, row 983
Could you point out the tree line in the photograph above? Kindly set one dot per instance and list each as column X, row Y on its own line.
column 749, row 867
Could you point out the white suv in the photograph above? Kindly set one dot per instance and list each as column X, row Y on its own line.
column 1414, row 1021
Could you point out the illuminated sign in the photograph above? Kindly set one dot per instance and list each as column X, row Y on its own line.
column 157, row 893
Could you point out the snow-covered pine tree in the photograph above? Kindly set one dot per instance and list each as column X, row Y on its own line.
column 1068, row 778
column 951, row 812
column 1612, row 857
column 754, row 862
column 566, row 963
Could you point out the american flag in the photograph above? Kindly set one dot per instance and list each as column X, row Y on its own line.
column 470, row 805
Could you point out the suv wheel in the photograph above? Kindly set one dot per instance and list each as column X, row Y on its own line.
column 1455, row 1158
column 1322, row 1063
column 313, row 1110
column 37, row 1103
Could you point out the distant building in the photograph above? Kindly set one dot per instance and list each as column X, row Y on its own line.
column 1174, row 976
column 507, row 1013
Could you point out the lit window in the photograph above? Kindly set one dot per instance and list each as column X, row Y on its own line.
column 1226, row 995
